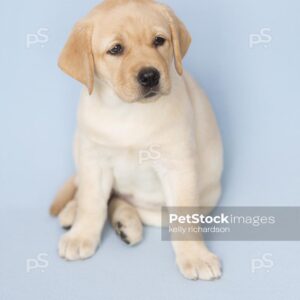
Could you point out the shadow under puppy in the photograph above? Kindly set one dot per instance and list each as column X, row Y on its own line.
column 128, row 55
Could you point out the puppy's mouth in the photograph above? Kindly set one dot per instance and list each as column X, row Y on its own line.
column 150, row 96
column 151, row 93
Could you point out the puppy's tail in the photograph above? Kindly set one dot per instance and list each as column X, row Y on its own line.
column 65, row 195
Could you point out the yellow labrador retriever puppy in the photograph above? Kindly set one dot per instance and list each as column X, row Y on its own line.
column 137, row 100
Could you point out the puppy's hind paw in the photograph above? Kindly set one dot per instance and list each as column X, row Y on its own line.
column 67, row 215
column 129, row 230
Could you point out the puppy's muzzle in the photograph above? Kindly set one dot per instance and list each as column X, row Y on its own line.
column 149, row 79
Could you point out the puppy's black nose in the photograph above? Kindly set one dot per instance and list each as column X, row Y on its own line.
column 149, row 77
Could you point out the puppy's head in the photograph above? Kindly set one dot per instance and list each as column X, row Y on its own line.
column 129, row 44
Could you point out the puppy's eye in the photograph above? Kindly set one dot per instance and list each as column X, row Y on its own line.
column 159, row 41
column 116, row 50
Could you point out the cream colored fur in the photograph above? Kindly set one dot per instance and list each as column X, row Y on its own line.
column 113, row 135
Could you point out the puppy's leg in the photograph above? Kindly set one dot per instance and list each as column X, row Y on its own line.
column 200, row 263
column 125, row 220
column 193, row 258
column 94, row 188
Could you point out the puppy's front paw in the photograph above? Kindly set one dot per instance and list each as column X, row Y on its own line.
column 204, row 266
column 76, row 246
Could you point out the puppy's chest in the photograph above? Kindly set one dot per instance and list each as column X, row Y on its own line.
column 135, row 176
column 119, row 128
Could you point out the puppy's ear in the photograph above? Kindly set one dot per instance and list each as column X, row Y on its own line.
column 181, row 39
column 76, row 58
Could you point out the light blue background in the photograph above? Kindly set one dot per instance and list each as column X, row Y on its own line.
column 255, row 94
